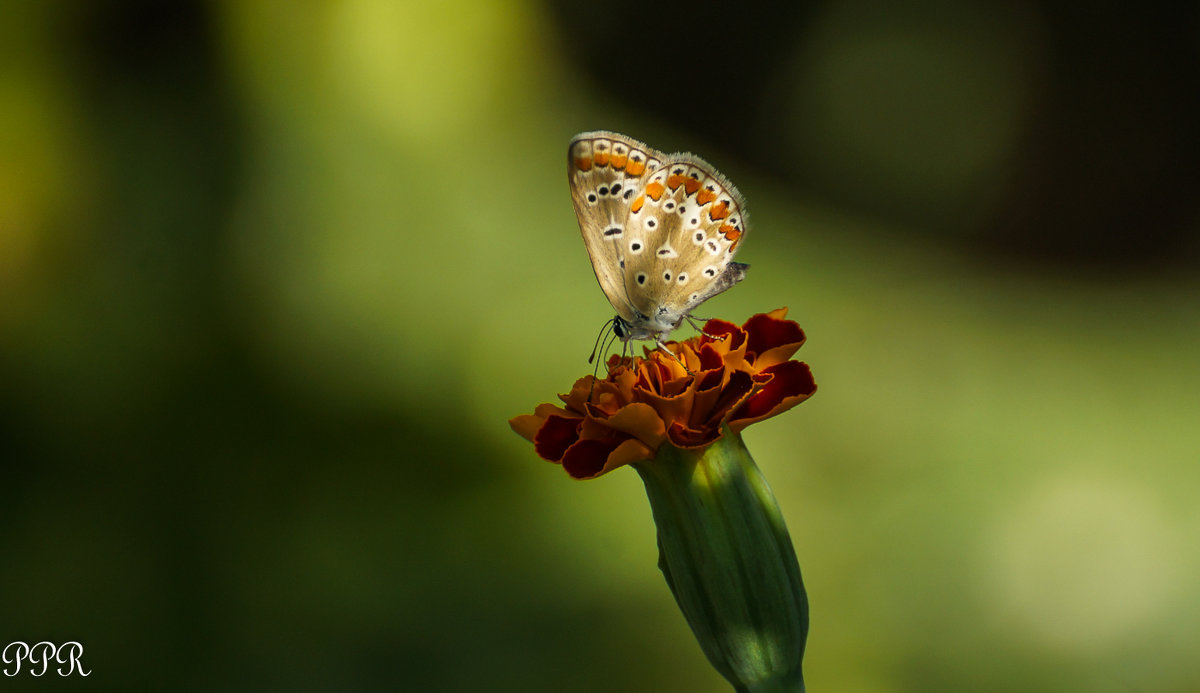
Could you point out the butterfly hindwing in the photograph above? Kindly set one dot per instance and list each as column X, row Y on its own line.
column 681, row 234
column 606, row 172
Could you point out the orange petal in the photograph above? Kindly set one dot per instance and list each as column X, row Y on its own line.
column 546, row 409
column 704, row 406
column 627, row 453
column 776, row 356
column 642, row 422
column 580, row 391
column 595, row 428
column 670, row 409
column 625, row 378
column 692, row 438
column 526, row 425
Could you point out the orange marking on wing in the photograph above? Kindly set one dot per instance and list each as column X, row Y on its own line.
column 583, row 163
column 655, row 190
column 635, row 168
column 691, row 185
column 618, row 161
column 719, row 211
column 601, row 158
column 732, row 234
column 674, row 180
column 637, row 204
column 705, row 197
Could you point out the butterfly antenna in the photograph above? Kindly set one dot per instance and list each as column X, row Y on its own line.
column 614, row 336
column 601, row 345
column 603, row 333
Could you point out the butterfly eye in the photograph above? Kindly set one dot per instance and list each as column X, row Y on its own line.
column 712, row 247
column 650, row 223
column 641, row 278
column 699, row 237
column 614, row 231
column 682, row 279
column 666, row 276
column 592, row 198
column 603, row 190
column 710, row 272
column 629, row 193
column 616, row 188
column 670, row 205
column 635, row 247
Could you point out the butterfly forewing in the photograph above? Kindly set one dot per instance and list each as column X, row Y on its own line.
column 683, row 229
column 606, row 172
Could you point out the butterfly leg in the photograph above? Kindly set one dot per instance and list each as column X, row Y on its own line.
column 700, row 328
column 663, row 347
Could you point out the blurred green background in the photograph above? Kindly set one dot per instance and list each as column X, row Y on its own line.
column 273, row 277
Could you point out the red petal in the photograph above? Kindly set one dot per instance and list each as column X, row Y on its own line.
column 585, row 459
column 734, row 393
column 716, row 328
column 708, row 379
column 791, row 382
column 710, row 358
column 555, row 436
column 767, row 332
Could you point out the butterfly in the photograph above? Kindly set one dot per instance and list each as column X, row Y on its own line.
column 661, row 230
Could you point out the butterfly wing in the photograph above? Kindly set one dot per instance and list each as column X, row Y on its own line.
column 606, row 171
column 681, row 234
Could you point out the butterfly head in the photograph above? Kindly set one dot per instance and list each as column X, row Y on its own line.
column 641, row 327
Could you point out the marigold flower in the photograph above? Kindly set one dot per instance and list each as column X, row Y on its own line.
column 728, row 376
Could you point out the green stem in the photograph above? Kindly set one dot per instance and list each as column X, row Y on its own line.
column 727, row 557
